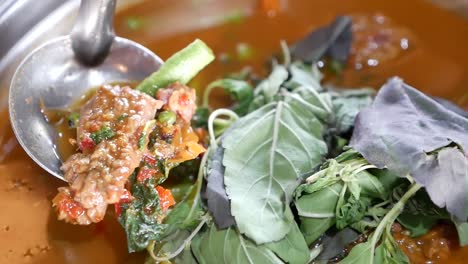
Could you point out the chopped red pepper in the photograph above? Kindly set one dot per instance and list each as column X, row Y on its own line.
column 71, row 207
column 145, row 173
column 150, row 160
column 86, row 144
column 184, row 99
column 125, row 198
column 166, row 199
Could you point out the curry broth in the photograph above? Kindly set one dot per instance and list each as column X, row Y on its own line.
column 438, row 63
column 64, row 132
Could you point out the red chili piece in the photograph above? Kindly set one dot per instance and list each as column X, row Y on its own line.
column 166, row 199
column 71, row 208
column 145, row 173
column 87, row 144
column 150, row 160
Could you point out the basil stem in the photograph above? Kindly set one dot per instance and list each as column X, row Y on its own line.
column 391, row 215
column 180, row 67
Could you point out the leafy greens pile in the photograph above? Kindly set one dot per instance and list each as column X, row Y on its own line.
column 296, row 171
column 268, row 182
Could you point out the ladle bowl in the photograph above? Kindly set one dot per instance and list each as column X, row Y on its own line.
column 60, row 71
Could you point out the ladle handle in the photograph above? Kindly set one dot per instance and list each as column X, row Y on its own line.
column 93, row 32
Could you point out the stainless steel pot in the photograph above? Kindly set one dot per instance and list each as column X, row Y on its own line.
column 25, row 24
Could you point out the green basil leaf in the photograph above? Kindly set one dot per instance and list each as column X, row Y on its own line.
column 308, row 206
column 352, row 211
column 371, row 185
column 462, row 229
column 314, row 228
column 418, row 225
column 361, row 253
column 139, row 217
column 346, row 105
column 177, row 219
column 267, row 90
column 420, row 214
column 303, row 75
column 240, row 91
column 316, row 204
column 386, row 252
column 229, row 247
column 104, row 133
column 292, row 248
column 288, row 142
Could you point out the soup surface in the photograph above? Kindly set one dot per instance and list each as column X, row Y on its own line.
column 434, row 61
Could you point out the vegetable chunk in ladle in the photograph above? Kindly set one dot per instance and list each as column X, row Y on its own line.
column 63, row 69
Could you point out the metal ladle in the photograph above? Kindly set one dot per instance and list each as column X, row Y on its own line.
column 63, row 69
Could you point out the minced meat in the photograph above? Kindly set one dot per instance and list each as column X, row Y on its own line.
column 109, row 130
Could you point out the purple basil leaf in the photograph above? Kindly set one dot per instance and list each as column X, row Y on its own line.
column 451, row 106
column 449, row 180
column 406, row 131
column 217, row 199
column 333, row 40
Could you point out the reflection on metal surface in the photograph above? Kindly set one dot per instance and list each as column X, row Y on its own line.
column 14, row 23
column 59, row 90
